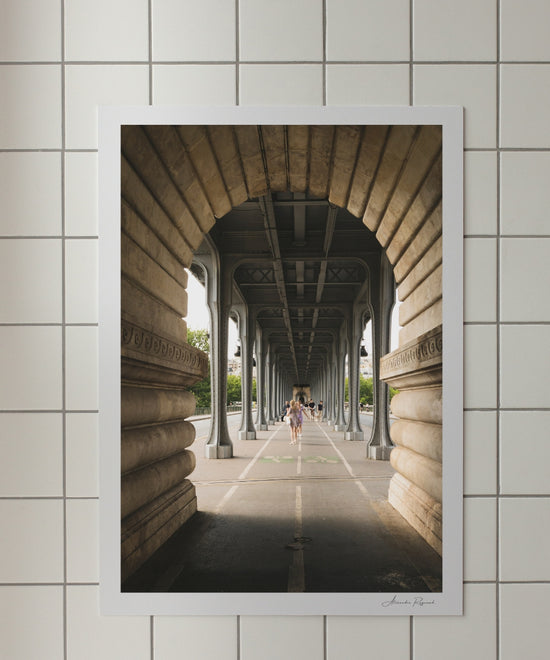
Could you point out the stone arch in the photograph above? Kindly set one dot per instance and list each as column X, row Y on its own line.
column 176, row 181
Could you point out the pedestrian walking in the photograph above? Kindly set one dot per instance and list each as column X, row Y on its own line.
column 320, row 411
column 300, row 419
column 293, row 415
column 311, row 405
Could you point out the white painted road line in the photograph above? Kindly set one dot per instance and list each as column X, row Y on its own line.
column 296, row 572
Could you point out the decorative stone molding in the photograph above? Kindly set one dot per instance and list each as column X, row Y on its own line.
column 139, row 343
column 424, row 353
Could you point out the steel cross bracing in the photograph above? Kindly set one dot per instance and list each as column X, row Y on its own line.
column 300, row 263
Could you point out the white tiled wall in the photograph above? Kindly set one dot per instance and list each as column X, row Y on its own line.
column 59, row 59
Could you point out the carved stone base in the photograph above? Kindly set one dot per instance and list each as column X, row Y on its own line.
column 378, row 453
column 418, row 508
column 339, row 427
column 144, row 531
column 263, row 427
column 218, row 451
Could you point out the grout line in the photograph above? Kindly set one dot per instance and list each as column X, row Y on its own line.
column 63, row 333
column 498, row 346
column 51, row 237
column 411, row 638
column 411, row 52
column 325, row 637
column 238, row 637
column 324, row 79
column 230, row 62
column 152, row 636
column 237, row 55
column 150, row 48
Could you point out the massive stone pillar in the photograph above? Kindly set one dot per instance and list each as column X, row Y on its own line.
column 416, row 489
column 247, row 333
column 354, row 335
column 382, row 299
column 157, row 368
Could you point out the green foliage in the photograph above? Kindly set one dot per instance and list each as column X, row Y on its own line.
column 199, row 339
column 202, row 393
column 233, row 388
column 366, row 391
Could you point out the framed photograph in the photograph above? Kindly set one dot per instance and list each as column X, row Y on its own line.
column 281, row 360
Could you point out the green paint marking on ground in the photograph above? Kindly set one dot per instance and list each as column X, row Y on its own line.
column 277, row 459
column 321, row 459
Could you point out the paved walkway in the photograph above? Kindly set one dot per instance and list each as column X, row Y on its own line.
column 278, row 517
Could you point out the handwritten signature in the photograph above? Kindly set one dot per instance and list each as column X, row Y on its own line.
column 417, row 601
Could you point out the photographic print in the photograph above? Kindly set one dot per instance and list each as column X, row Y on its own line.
column 281, row 360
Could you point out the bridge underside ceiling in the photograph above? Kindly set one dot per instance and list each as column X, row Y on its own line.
column 301, row 264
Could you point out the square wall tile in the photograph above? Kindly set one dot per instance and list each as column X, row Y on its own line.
column 31, row 274
column 445, row 30
column 186, row 30
column 37, row 609
column 281, row 84
column 81, row 368
column 388, row 637
column 480, row 193
column 525, row 106
column 22, row 214
column 472, row 635
column 287, row 30
column 30, row 368
column 33, row 549
column 480, row 452
column 31, row 455
column 480, row 533
column 525, row 538
column 524, row 30
column 525, row 452
column 81, row 194
column 195, row 635
column 480, row 366
column 30, row 31
column 106, row 30
column 82, row 458
column 367, row 84
column 194, row 84
column 81, row 281
column 524, row 193
column 90, row 635
column 524, row 373
column 31, row 106
column 276, row 637
column 470, row 86
column 89, row 86
column 524, row 629
column 480, row 280
column 82, row 540
column 358, row 30
column 525, row 279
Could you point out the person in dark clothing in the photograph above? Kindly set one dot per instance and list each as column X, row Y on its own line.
column 320, row 411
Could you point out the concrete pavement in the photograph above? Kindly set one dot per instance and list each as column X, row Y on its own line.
column 278, row 517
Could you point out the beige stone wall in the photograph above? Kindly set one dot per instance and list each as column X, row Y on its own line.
column 416, row 490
